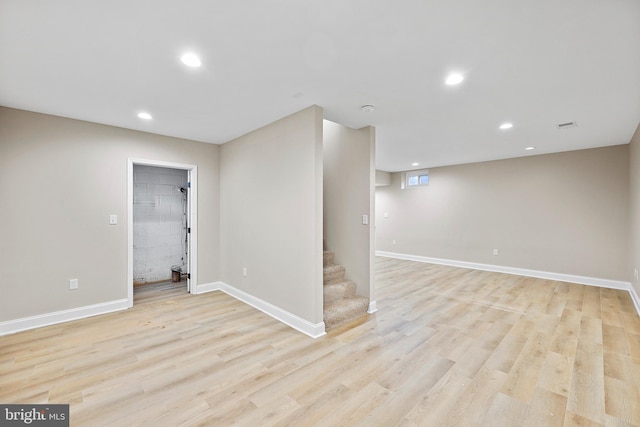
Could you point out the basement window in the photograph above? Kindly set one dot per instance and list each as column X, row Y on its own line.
column 416, row 178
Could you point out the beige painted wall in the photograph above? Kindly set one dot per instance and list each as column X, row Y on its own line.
column 271, row 213
column 60, row 181
column 634, row 178
column 349, row 182
column 562, row 213
column 383, row 178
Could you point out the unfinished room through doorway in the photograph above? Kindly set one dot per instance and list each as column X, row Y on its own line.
column 162, row 226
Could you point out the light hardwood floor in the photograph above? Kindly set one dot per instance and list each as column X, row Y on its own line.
column 448, row 346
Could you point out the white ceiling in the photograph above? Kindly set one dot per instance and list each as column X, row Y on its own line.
column 535, row 63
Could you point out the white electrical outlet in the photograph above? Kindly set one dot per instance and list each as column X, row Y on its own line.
column 244, row 271
column 365, row 219
column 73, row 284
column 495, row 252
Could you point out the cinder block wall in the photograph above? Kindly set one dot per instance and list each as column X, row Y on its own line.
column 158, row 236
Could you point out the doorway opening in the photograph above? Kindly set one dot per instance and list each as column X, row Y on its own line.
column 162, row 225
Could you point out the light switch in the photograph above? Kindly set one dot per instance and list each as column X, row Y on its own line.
column 113, row 219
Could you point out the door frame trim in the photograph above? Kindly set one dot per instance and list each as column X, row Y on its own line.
column 192, row 177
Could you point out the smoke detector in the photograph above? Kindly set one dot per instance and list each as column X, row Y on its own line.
column 367, row 108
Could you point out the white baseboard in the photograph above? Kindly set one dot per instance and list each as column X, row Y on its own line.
column 314, row 330
column 583, row 280
column 32, row 322
column 373, row 307
column 207, row 287
column 290, row 319
column 635, row 298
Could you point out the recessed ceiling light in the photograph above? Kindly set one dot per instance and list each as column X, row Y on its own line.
column 415, row 164
column 454, row 79
column 506, row 126
column 530, row 148
column 191, row 60
column 145, row 116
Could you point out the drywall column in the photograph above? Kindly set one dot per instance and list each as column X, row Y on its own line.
column 634, row 174
column 349, row 191
column 372, row 219
column 271, row 214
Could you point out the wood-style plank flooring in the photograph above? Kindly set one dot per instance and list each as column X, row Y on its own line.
column 448, row 346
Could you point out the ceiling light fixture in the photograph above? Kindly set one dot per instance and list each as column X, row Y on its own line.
column 145, row 116
column 505, row 126
column 454, row 79
column 415, row 164
column 367, row 108
column 191, row 60
column 530, row 148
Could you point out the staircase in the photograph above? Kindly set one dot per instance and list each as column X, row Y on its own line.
column 341, row 303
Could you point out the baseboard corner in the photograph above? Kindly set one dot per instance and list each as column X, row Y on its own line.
column 313, row 330
column 373, row 307
column 208, row 287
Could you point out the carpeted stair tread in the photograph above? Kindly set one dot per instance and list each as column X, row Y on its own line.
column 328, row 258
column 333, row 273
column 341, row 304
column 344, row 310
column 337, row 291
